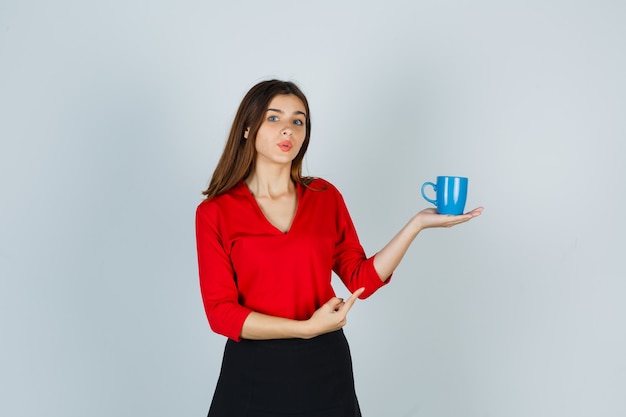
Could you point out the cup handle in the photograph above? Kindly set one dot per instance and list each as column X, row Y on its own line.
column 424, row 194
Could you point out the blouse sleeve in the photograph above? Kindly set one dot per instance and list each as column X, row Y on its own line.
column 350, row 263
column 217, row 279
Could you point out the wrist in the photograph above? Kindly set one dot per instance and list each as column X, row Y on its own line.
column 306, row 329
column 416, row 225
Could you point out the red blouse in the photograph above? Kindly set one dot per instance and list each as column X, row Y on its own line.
column 246, row 264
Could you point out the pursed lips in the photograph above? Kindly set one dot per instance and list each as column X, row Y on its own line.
column 285, row 145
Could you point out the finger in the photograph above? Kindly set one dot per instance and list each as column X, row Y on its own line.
column 465, row 218
column 476, row 212
column 454, row 220
column 348, row 305
column 335, row 303
column 450, row 220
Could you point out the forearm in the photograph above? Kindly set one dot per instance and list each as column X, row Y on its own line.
column 389, row 257
column 258, row 326
column 329, row 317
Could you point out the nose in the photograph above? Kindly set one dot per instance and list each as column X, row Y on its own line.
column 287, row 131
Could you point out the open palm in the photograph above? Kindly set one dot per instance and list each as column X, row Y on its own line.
column 429, row 218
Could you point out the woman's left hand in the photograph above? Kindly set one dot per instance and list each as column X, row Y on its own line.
column 429, row 218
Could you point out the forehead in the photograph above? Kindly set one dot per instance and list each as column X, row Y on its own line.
column 287, row 102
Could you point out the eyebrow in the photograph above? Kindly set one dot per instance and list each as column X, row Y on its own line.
column 282, row 112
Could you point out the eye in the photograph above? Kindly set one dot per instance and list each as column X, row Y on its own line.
column 298, row 122
column 273, row 118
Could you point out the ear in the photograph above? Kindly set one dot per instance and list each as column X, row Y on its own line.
column 245, row 133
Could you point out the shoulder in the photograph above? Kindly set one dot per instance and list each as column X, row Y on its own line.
column 323, row 191
column 321, row 188
column 320, row 184
column 225, row 201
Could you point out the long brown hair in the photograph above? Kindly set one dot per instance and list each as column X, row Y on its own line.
column 237, row 160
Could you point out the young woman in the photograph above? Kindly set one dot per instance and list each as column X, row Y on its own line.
column 268, row 241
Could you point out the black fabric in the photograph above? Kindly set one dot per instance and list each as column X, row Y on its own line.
column 286, row 378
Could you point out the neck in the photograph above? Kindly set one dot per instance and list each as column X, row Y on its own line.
column 270, row 183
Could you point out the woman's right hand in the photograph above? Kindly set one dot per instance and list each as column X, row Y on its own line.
column 329, row 317
column 332, row 315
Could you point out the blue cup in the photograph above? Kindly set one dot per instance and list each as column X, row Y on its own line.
column 451, row 194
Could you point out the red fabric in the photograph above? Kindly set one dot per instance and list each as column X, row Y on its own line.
column 246, row 264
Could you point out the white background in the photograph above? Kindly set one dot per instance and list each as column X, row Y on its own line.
column 113, row 115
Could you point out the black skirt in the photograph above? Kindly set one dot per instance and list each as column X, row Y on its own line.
column 286, row 378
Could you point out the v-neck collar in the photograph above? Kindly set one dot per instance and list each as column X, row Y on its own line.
column 299, row 192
